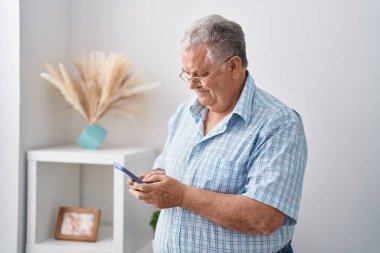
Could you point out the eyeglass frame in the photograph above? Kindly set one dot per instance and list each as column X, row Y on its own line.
column 201, row 79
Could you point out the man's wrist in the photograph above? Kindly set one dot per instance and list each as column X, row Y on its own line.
column 186, row 196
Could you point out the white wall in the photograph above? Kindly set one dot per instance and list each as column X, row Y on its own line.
column 9, row 126
column 44, row 38
column 151, row 42
column 31, row 32
column 320, row 57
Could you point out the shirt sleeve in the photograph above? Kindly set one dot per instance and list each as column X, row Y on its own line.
column 159, row 162
column 277, row 166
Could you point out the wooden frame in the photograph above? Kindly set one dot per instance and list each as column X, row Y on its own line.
column 79, row 224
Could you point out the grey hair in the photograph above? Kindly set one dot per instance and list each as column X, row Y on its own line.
column 224, row 38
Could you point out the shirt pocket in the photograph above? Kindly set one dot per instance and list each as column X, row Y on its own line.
column 221, row 175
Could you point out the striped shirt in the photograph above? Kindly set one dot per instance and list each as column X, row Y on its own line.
column 259, row 151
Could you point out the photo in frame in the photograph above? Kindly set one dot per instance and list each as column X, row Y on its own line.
column 78, row 224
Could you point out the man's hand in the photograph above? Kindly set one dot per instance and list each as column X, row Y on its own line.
column 159, row 190
column 147, row 175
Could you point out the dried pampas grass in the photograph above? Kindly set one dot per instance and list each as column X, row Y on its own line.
column 105, row 84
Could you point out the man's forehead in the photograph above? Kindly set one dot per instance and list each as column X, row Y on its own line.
column 195, row 59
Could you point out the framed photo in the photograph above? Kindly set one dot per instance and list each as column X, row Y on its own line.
column 80, row 224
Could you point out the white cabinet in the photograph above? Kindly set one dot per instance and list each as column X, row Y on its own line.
column 74, row 177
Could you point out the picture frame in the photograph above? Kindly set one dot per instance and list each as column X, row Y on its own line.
column 78, row 224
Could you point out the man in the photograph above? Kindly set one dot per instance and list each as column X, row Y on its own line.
column 229, row 178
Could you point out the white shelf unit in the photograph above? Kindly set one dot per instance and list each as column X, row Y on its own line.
column 74, row 177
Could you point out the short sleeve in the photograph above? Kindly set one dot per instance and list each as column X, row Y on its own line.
column 159, row 162
column 277, row 166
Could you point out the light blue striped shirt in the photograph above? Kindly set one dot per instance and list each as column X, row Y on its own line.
column 258, row 150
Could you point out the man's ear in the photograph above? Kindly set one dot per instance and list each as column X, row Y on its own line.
column 236, row 67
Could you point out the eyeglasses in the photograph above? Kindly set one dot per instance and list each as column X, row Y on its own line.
column 200, row 80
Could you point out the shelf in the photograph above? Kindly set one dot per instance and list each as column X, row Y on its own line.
column 74, row 177
column 75, row 154
column 105, row 243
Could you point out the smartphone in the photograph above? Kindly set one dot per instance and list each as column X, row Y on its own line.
column 130, row 174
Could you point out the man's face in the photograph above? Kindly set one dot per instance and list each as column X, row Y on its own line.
column 217, row 88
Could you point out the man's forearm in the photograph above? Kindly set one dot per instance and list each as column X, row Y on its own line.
column 235, row 212
column 232, row 211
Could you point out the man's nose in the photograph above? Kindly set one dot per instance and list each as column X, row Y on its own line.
column 193, row 84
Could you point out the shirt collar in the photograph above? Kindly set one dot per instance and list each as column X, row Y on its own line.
column 196, row 107
column 242, row 108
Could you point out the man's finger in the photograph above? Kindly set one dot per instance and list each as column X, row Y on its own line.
column 142, row 175
column 154, row 172
column 143, row 187
column 154, row 178
column 130, row 181
column 137, row 194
